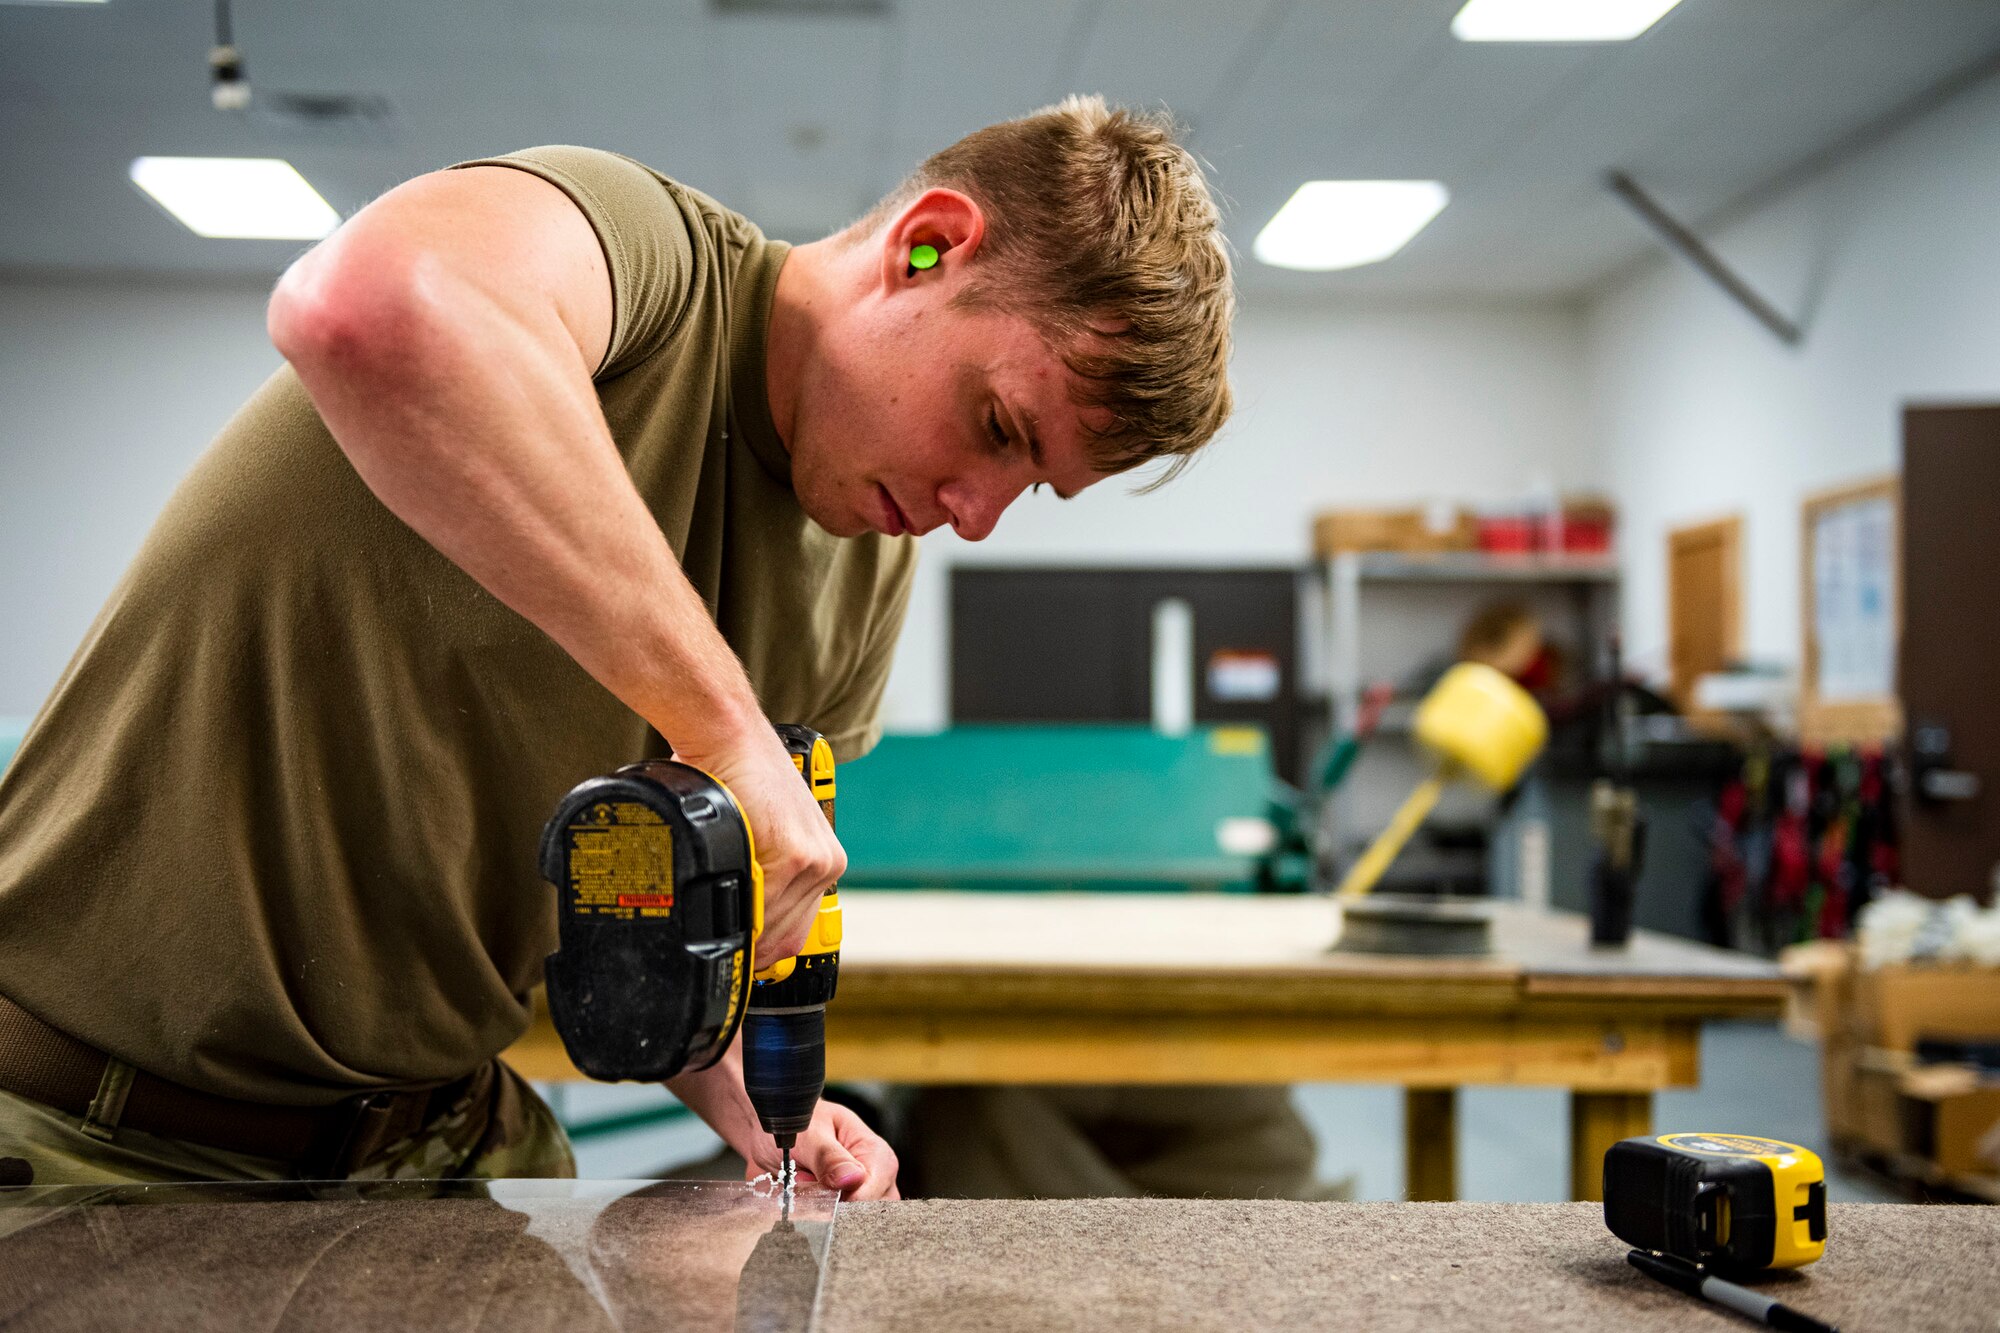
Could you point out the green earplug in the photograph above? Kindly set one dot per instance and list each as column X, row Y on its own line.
column 923, row 256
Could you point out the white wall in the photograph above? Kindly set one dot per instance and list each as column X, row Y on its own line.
column 108, row 391
column 1894, row 257
column 1337, row 405
column 1661, row 390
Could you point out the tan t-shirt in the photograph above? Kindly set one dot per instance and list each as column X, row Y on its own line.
column 273, row 835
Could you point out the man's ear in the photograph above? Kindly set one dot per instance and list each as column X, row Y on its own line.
column 948, row 222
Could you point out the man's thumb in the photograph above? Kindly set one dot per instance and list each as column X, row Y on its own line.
column 833, row 1166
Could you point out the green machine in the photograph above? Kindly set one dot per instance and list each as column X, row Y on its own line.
column 12, row 729
column 1073, row 807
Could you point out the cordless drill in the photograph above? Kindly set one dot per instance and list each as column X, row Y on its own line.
column 659, row 903
column 784, row 1029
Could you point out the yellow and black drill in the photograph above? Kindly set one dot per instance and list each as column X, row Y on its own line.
column 659, row 904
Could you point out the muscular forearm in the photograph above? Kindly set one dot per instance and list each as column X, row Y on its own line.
column 478, row 425
column 716, row 1095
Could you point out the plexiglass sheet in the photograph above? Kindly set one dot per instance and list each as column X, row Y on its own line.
column 488, row 1255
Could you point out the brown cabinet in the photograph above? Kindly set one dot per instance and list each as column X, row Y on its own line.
column 1949, row 665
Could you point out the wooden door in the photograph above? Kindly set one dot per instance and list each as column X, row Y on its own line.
column 1949, row 665
column 1704, row 602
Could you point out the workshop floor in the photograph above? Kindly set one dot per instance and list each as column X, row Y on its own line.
column 1512, row 1141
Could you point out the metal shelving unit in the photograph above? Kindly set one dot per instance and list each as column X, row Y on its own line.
column 1386, row 615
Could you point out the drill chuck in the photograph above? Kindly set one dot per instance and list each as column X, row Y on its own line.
column 784, row 1068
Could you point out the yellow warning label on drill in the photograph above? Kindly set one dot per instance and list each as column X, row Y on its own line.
column 621, row 861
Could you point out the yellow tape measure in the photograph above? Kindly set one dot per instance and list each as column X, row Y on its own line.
column 1732, row 1201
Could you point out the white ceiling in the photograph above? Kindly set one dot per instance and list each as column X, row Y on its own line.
column 801, row 121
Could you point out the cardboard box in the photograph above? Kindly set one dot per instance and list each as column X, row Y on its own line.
column 1822, row 977
column 1940, row 1122
column 1819, row 972
column 1410, row 531
column 1874, row 1117
column 1838, row 1070
column 1951, row 1118
column 1893, row 1006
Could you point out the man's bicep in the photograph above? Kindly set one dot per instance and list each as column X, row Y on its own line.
column 512, row 239
column 644, row 237
column 556, row 252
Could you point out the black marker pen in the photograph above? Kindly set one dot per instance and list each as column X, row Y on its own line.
column 1684, row 1276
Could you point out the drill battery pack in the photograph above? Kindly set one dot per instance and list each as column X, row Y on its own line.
column 658, row 903
column 1730, row 1201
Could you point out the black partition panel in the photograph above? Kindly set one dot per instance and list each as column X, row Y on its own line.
column 1076, row 645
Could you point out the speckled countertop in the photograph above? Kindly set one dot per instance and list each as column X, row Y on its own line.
column 588, row 1256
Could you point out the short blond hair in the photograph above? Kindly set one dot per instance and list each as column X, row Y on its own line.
column 1100, row 230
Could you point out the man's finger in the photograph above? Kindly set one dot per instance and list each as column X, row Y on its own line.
column 785, row 935
column 880, row 1161
column 786, row 910
column 834, row 1166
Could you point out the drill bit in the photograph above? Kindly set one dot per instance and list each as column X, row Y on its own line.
column 785, row 1171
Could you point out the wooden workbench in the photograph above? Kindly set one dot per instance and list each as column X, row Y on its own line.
column 1180, row 988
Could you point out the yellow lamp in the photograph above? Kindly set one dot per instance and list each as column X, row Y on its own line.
column 1475, row 722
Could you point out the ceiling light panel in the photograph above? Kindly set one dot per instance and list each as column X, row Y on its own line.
column 237, row 198
column 1557, row 20
column 1345, row 224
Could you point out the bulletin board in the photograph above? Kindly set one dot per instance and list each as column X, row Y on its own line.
column 1851, row 614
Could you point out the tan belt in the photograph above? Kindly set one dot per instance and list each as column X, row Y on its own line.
column 320, row 1142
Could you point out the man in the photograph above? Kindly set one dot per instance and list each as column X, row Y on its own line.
column 569, row 466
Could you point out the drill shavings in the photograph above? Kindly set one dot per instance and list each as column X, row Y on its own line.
column 782, row 1183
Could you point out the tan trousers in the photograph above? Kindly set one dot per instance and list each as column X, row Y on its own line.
column 501, row 1129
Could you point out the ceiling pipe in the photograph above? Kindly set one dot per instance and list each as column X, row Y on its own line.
column 1692, row 248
